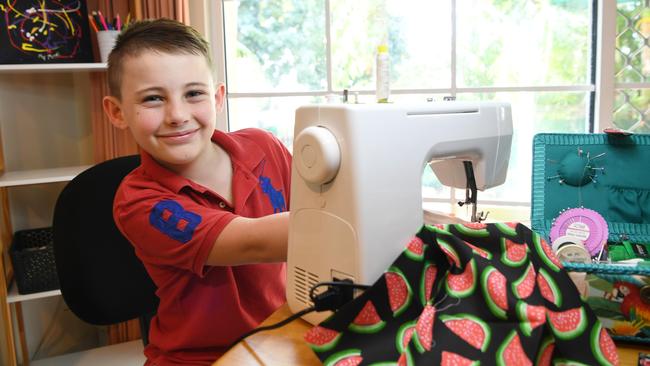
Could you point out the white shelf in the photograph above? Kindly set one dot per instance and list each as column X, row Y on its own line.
column 52, row 67
column 14, row 296
column 123, row 354
column 40, row 176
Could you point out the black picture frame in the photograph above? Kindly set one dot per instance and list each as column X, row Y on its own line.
column 44, row 31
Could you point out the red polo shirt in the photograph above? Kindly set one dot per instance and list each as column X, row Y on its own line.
column 173, row 223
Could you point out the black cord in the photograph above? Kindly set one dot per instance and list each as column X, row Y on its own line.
column 344, row 283
column 331, row 299
column 276, row 325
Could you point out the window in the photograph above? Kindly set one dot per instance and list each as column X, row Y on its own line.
column 632, row 66
column 537, row 55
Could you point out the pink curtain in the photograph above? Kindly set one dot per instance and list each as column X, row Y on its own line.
column 110, row 142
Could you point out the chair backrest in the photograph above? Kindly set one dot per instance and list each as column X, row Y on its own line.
column 102, row 281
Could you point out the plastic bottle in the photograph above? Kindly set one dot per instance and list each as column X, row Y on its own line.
column 383, row 73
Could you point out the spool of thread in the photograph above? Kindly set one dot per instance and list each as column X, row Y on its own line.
column 571, row 249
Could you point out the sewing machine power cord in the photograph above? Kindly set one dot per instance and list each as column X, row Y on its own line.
column 338, row 293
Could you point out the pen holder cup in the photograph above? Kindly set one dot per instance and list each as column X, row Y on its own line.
column 106, row 41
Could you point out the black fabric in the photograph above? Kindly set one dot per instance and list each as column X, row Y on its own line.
column 460, row 295
column 102, row 280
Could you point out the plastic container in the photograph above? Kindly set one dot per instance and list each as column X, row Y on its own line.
column 32, row 256
column 383, row 74
column 106, row 41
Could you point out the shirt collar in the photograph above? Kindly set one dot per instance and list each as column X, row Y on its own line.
column 244, row 154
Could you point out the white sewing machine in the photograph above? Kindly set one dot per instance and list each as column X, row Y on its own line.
column 356, row 191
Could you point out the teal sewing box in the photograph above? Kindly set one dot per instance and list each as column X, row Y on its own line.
column 610, row 174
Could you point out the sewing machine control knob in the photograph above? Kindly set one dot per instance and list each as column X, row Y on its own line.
column 317, row 155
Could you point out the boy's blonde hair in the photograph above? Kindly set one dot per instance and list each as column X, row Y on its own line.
column 158, row 35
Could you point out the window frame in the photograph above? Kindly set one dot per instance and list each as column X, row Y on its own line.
column 602, row 87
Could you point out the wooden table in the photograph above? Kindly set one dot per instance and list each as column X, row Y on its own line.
column 285, row 346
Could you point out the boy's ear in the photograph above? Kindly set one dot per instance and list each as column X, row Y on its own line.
column 219, row 96
column 113, row 110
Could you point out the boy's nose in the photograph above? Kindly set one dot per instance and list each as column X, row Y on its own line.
column 177, row 113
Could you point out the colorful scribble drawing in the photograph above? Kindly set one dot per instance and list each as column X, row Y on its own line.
column 44, row 31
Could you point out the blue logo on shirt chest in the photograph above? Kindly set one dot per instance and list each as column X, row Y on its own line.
column 275, row 196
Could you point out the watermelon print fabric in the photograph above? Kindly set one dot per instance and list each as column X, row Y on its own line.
column 474, row 294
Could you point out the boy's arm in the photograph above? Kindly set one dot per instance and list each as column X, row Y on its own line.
column 247, row 240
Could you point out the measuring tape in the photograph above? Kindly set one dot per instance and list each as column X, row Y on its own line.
column 584, row 224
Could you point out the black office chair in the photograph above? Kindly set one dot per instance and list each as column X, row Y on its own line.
column 102, row 281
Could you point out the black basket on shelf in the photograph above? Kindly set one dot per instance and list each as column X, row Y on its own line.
column 32, row 256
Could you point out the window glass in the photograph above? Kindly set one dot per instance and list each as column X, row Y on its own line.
column 513, row 43
column 632, row 56
column 275, row 45
column 418, row 35
column 274, row 114
column 632, row 110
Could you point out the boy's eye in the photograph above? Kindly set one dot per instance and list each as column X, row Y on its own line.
column 195, row 93
column 152, row 98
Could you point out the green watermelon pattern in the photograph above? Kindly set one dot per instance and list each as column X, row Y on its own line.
column 404, row 335
column 405, row 359
column 439, row 228
column 423, row 336
column 415, row 249
column 507, row 228
column 348, row 357
column 567, row 324
column 450, row 252
column 462, row 284
column 470, row 328
column 545, row 355
column 511, row 352
column 602, row 346
column 474, row 229
column 513, row 254
column 530, row 317
column 467, row 295
column 427, row 282
column 399, row 290
column 495, row 292
column 321, row 339
column 367, row 321
column 546, row 253
column 454, row 359
column 479, row 251
column 548, row 288
column 524, row 285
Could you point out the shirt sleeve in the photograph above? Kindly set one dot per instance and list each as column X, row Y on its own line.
column 167, row 229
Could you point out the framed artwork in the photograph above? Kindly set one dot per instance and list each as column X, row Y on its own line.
column 44, row 31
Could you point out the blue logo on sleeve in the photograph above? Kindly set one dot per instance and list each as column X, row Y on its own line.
column 275, row 196
column 172, row 220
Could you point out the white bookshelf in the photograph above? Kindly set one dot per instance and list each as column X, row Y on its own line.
column 13, row 295
column 40, row 176
column 32, row 68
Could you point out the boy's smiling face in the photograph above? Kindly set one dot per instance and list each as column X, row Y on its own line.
column 170, row 103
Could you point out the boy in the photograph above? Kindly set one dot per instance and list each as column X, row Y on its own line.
column 200, row 208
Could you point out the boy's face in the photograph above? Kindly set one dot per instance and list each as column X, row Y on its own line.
column 170, row 103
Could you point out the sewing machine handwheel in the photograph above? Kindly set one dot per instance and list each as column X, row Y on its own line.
column 316, row 154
